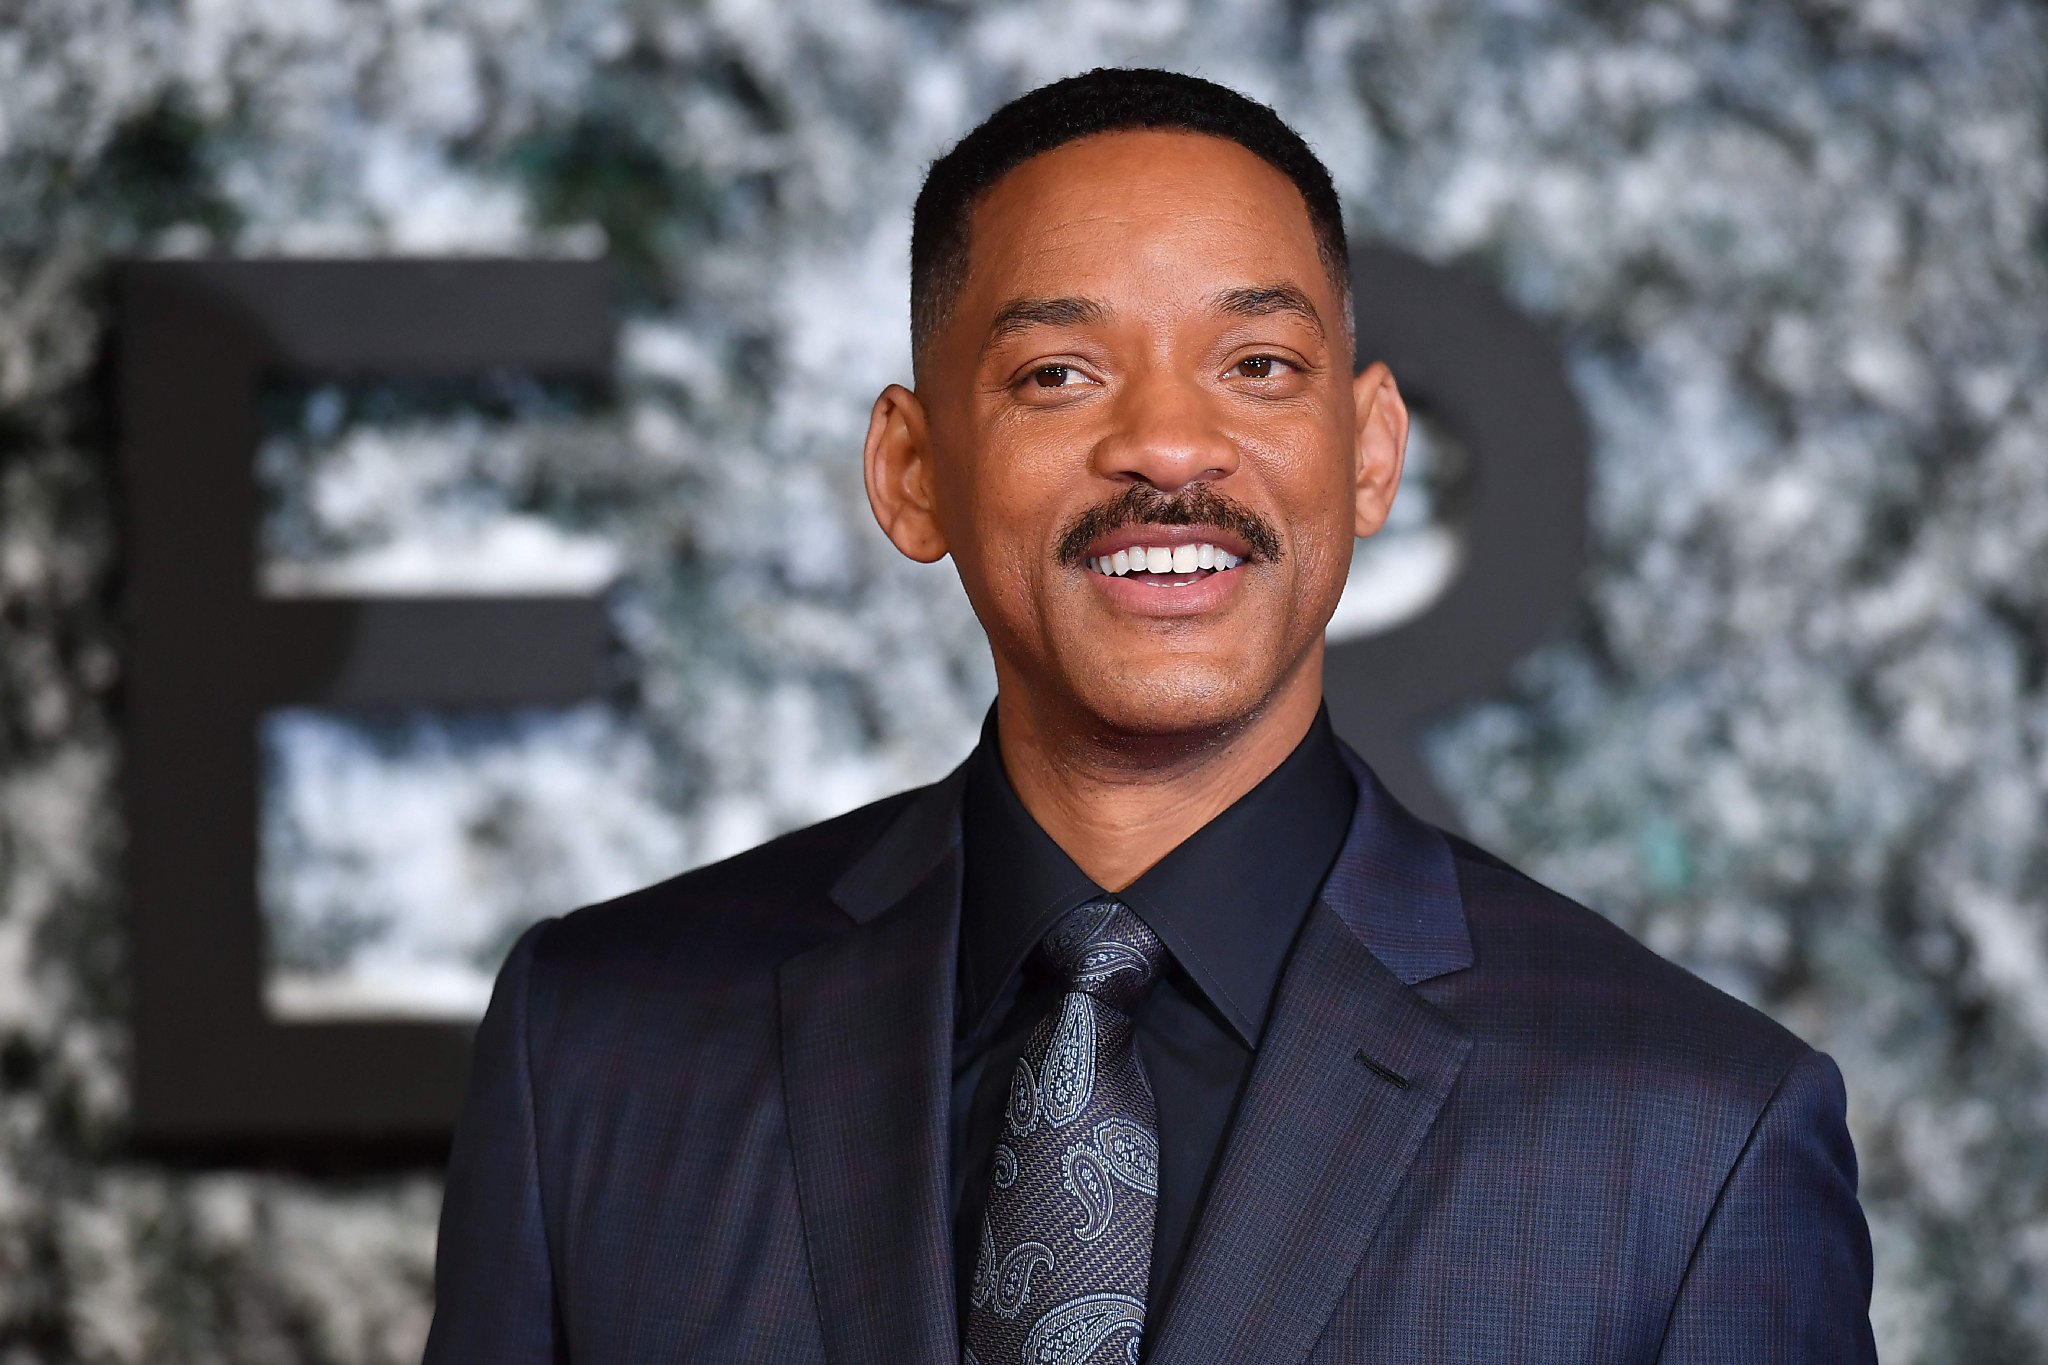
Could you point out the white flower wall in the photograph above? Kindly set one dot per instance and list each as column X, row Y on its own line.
column 1797, row 737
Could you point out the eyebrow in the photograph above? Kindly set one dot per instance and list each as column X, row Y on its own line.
column 1264, row 300
column 1021, row 314
column 1252, row 301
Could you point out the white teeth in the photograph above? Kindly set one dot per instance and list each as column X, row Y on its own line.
column 1164, row 559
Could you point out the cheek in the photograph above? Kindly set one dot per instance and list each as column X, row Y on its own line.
column 1326, row 566
column 1312, row 493
column 1001, row 525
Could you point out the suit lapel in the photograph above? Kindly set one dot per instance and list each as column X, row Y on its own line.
column 1351, row 1071
column 867, row 1029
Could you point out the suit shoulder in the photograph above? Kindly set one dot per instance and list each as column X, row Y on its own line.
column 762, row 904
column 1549, row 963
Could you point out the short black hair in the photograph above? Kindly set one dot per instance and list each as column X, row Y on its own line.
column 1105, row 100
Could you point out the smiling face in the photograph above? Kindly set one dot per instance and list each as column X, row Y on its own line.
column 1138, row 435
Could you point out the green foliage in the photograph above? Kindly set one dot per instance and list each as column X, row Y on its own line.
column 605, row 168
column 157, row 172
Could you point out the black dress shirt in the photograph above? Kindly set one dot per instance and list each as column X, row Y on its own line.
column 1227, row 903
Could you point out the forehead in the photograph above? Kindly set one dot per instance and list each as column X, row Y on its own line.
column 1136, row 216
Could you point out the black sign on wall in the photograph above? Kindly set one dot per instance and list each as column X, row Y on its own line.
column 198, row 342
column 1486, row 371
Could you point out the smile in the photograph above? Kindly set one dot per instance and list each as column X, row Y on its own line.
column 1166, row 564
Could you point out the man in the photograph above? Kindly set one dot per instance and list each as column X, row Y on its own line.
column 1158, row 1030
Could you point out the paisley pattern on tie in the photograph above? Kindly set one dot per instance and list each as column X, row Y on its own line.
column 1067, row 1079
column 1070, row 1333
column 1022, row 1114
column 1066, row 1239
column 1131, row 1152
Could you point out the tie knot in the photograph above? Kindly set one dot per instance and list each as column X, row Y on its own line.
column 1104, row 949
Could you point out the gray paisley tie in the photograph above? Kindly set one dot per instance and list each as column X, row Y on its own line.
column 1066, row 1241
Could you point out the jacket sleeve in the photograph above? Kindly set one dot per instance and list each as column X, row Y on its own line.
column 1781, row 1271
column 493, row 1282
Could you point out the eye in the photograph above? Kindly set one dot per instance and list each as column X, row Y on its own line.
column 1052, row 382
column 1261, row 366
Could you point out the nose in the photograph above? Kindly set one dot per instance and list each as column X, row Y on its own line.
column 1164, row 431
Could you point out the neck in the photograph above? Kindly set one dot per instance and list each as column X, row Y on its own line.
column 1118, row 802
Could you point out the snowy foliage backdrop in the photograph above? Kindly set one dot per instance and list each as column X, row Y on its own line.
column 1798, row 738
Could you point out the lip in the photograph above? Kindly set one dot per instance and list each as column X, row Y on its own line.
column 1167, row 600
column 1125, row 537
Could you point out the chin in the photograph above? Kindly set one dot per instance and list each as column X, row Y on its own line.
column 1174, row 697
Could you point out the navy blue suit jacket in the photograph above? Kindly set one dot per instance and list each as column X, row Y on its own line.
column 707, row 1122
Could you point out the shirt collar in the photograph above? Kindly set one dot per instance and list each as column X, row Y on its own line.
column 1226, row 902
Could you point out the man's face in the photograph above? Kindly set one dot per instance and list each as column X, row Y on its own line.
column 1143, row 432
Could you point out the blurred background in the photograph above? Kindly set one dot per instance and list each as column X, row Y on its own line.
column 1795, row 735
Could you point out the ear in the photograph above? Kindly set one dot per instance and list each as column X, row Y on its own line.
column 1381, row 443
column 900, row 478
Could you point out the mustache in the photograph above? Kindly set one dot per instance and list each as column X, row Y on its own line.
column 1143, row 505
